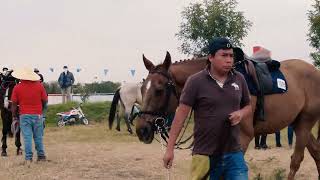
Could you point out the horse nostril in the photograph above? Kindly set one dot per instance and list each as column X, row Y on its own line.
column 146, row 131
column 141, row 131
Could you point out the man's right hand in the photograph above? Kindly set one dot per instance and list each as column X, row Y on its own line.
column 15, row 125
column 168, row 159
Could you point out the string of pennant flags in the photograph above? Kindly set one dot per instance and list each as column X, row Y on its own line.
column 105, row 71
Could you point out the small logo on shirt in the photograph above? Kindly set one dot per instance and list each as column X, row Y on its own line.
column 236, row 86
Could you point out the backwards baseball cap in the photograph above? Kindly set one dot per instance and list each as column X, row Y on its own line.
column 218, row 43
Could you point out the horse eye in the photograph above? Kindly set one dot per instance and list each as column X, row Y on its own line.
column 158, row 92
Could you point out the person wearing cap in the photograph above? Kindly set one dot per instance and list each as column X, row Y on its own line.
column 31, row 97
column 220, row 99
column 4, row 70
column 66, row 81
column 36, row 70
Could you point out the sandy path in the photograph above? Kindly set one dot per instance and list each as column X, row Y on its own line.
column 93, row 153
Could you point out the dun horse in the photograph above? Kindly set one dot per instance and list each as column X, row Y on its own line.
column 128, row 94
column 7, row 84
column 299, row 105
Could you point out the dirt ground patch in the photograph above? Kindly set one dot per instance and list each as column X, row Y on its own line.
column 92, row 152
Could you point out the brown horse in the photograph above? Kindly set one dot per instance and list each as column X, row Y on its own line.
column 299, row 105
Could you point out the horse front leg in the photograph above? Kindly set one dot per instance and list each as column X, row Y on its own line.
column 4, row 139
column 126, row 117
column 118, row 121
column 18, row 143
column 246, row 133
column 245, row 140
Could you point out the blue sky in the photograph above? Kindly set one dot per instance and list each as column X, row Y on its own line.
column 113, row 34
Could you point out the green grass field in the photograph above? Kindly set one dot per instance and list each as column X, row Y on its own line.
column 95, row 112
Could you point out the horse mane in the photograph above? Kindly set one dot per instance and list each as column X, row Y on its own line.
column 187, row 61
column 159, row 67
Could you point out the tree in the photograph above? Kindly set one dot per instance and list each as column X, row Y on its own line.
column 314, row 31
column 201, row 21
column 52, row 87
column 84, row 89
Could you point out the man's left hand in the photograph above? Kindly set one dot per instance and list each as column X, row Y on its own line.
column 235, row 117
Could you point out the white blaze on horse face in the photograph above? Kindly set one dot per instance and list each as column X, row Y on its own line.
column 148, row 85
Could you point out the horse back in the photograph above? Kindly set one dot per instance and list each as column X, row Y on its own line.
column 303, row 81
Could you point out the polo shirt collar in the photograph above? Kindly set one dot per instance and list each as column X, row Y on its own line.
column 230, row 74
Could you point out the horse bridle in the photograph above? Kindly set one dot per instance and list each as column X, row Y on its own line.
column 5, row 84
column 161, row 116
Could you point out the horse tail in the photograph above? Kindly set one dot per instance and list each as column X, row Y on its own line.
column 113, row 107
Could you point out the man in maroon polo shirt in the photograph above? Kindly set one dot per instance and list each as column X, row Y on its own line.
column 31, row 97
column 220, row 99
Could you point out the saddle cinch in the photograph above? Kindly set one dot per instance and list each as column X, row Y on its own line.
column 263, row 77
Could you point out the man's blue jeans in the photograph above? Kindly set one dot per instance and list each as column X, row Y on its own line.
column 32, row 126
column 231, row 166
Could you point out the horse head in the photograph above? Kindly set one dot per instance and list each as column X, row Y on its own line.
column 7, row 84
column 159, row 98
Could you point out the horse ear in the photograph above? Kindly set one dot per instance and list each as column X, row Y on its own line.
column 147, row 63
column 167, row 61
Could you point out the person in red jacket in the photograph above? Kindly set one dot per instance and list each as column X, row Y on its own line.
column 31, row 97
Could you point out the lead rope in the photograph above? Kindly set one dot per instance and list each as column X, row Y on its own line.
column 163, row 152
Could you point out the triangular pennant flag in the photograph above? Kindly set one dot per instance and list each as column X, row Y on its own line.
column 133, row 71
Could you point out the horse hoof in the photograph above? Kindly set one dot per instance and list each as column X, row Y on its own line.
column 130, row 131
column 118, row 129
column 19, row 152
column 4, row 153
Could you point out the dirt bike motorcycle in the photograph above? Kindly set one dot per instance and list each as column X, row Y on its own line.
column 75, row 115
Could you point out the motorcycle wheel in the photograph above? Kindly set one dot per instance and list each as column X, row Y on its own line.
column 61, row 123
column 85, row 121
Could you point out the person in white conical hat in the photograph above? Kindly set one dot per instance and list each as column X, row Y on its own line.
column 32, row 98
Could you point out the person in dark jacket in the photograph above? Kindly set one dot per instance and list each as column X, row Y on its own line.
column 66, row 81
